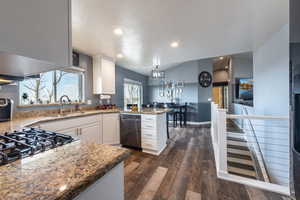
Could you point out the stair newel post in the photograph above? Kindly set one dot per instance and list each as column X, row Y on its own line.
column 222, row 140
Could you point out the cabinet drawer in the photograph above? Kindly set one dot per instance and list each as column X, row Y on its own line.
column 149, row 134
column 149, row 118
column 149, row 145
column 148, row 125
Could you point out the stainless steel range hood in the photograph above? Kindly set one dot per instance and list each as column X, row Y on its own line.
column 15, row 67
column 20, row 66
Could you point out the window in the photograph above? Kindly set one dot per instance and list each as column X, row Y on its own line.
column 50, row 87
column 133, row 92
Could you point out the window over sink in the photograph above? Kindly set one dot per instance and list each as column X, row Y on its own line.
column 50, row 86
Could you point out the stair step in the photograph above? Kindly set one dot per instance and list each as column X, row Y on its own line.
column 241, row 161
column 235, row 135
column 240, row 166
column 240, row 156
column 236, row 139
column 242, row 172
column 239, row 151
column 237, row 143
column 243, row 148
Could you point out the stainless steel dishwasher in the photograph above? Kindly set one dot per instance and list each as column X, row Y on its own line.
column 130, row 130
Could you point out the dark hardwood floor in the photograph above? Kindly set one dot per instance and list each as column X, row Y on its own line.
column 184, row 171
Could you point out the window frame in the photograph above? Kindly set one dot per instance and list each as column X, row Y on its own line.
column 81, row 88
column 133, row 82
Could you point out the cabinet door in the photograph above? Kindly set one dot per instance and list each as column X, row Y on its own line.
column 108, row 77
column 103, row 76
column 91, row 134
column 111, row 129
column 37, row 29
column 71, row 132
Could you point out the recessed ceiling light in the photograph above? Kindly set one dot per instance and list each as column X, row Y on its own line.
column 120, row 55
column 118, row 31
column 174, row 44
column 221, row 58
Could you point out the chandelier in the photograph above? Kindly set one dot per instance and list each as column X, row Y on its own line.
column 157, row 74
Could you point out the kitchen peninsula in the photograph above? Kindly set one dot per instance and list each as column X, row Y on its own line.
column 146, row 129
column 81, row 169
column 65, row 172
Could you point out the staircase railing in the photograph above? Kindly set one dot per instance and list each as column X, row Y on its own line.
column 257, row 152
column 262, row 134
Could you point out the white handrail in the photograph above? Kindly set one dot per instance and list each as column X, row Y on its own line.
column 262, row 117
column 219, row 139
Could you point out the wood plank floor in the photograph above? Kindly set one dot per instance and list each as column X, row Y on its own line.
column 184, row 171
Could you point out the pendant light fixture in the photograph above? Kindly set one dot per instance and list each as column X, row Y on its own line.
column 156, row 73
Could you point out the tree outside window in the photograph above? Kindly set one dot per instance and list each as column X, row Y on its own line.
column 50, row 87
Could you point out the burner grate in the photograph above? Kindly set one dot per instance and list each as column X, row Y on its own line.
column 20, row 144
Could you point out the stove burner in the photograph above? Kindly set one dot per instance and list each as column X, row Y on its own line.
column 17, row 145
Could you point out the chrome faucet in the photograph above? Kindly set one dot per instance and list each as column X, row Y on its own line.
column 61, row 110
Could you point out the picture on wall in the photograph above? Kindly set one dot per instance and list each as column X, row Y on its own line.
column 244, row 89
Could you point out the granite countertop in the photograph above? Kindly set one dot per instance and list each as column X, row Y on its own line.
column 150, row 111
column 18, row 124
column 60, row 173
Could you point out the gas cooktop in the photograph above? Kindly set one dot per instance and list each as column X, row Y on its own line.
column 21, row 144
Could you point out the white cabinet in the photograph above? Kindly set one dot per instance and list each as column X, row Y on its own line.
column 100, row 128
column 154, row 133
column 111, row 128
column 91, row 133
column 87, row 129
column 103, row 76
column 37, row 29
column 71, row 132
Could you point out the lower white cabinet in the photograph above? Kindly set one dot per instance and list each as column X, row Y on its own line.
column 71, row 132
column 101, row 128
column 154, row 133
column 111, row 128
column 91, row 133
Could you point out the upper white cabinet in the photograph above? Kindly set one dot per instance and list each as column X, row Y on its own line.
column 103, row 76
column 38, row 30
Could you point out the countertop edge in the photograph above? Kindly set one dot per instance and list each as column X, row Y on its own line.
column 51, row 119
column 72, row 193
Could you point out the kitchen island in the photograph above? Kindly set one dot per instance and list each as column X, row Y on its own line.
column 150, row 132
column 77, row 170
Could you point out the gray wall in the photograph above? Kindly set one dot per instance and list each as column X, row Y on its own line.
column 242, row 67
column 196, row 96
column 121, row 74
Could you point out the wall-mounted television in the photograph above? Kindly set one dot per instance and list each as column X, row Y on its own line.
column 244, row 89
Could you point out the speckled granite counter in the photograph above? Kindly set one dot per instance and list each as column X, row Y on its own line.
column 18, row 124
column 149, row 111
column 58, row 174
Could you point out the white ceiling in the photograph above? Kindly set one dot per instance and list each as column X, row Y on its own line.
column 204, row 28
